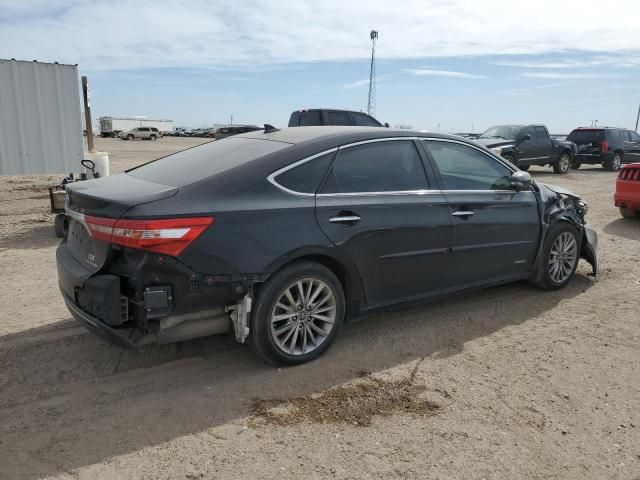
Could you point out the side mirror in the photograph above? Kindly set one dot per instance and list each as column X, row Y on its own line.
column 520, row 180
column 525, row 137
column 386, row 124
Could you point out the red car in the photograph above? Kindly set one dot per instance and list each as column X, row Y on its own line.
column 627, row 196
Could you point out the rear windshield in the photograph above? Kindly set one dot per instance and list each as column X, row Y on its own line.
column 585, row 136
column 205, row 161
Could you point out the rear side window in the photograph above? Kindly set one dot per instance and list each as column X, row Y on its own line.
column 205, row 161
column 465, row 168
column 585, row 136
column 391, row 166
column 634, row 137
column 363, row 120
column 338, row 118
column 306, row 177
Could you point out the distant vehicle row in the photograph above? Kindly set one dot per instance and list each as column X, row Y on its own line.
column 526, row 145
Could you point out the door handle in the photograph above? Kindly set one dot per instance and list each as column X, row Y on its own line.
column 347, row 219
column 463, row 213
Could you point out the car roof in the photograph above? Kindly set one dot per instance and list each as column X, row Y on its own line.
column 297, row 135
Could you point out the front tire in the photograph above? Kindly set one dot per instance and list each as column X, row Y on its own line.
column 613, row 165
column 563, row 164
column 560, row 256
column 152, row 138
column 129, row 137
column 298, row 313
column 60, row 225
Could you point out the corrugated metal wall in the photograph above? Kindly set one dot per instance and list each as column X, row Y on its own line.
column 40, row 127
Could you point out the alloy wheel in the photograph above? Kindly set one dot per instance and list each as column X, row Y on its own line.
column 303, row 316
column 563, row 257
column 564, row 162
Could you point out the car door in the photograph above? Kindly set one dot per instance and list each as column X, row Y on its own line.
column 526, row 147
column 495, row 230
column 378, row 207
column 543, row 148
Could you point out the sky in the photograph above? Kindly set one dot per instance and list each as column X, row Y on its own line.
column 449, row 66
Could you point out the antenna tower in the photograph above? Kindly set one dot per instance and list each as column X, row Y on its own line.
column 371, row 104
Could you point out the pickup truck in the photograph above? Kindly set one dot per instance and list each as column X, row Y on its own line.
column 526, row 145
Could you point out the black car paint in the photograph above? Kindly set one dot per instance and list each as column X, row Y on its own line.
column 530, row 152
column 259, row 228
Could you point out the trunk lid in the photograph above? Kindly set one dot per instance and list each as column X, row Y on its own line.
column 108, row 197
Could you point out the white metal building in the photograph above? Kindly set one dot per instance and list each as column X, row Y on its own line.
column 40, row 126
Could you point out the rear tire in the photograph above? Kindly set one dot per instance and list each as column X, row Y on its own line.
column 629, row 213
column 525, row 168
column 284, row 328
column 60, row 225
column 563, row 164
column 152, row 138
column 613, row 165
column 576, row 164
column 511, row 160
column 560, row 256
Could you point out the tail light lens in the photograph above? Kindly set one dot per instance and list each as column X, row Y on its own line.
column 169, row 236
column 604, row 146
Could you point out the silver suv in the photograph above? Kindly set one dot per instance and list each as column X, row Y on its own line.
column 144, row 133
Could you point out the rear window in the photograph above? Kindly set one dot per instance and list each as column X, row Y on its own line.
column 585, row 136
column 204, row 161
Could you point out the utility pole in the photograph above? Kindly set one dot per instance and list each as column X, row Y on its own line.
column 87, row 114
column 231, row 120
column 637, row 118
column 371, row 104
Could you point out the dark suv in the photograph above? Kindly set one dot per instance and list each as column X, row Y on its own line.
column 321, row 116
column 607, row 146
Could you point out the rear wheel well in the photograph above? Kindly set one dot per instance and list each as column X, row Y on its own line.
column 352, row 290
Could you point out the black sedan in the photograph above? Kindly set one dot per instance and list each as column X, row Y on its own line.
column 281, row 235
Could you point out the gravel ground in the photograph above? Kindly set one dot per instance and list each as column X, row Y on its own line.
column 505, row 383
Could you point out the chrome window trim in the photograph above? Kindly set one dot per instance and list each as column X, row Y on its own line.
column 272, row 177
column 489, row 153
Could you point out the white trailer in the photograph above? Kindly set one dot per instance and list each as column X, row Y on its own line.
column 40, row 127
column 112, row 126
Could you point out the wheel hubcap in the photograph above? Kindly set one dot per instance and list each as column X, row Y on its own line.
column 303, row 316
column 616, row 162
column 564, row 163
column 563, row 257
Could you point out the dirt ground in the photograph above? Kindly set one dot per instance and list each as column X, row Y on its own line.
column 504, row 383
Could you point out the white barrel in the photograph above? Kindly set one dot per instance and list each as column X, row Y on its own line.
column 101, row 160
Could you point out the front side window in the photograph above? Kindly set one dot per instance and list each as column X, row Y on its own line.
column 338, row 118
column 388, row 166
column 465, row 168
column 363, row 120
column 526, row 131
column 634, row 137
column 540, row 135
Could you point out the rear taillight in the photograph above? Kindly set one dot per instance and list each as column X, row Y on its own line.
column 169, row 236
column 604, row 146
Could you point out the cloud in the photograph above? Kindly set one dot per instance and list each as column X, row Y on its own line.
column 613, row 60
column 531, row 90
column 426, row 72
column 357, row 83
column 121, row 34
column 566, row 75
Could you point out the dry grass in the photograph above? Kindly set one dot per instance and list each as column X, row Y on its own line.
column 356, row 403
